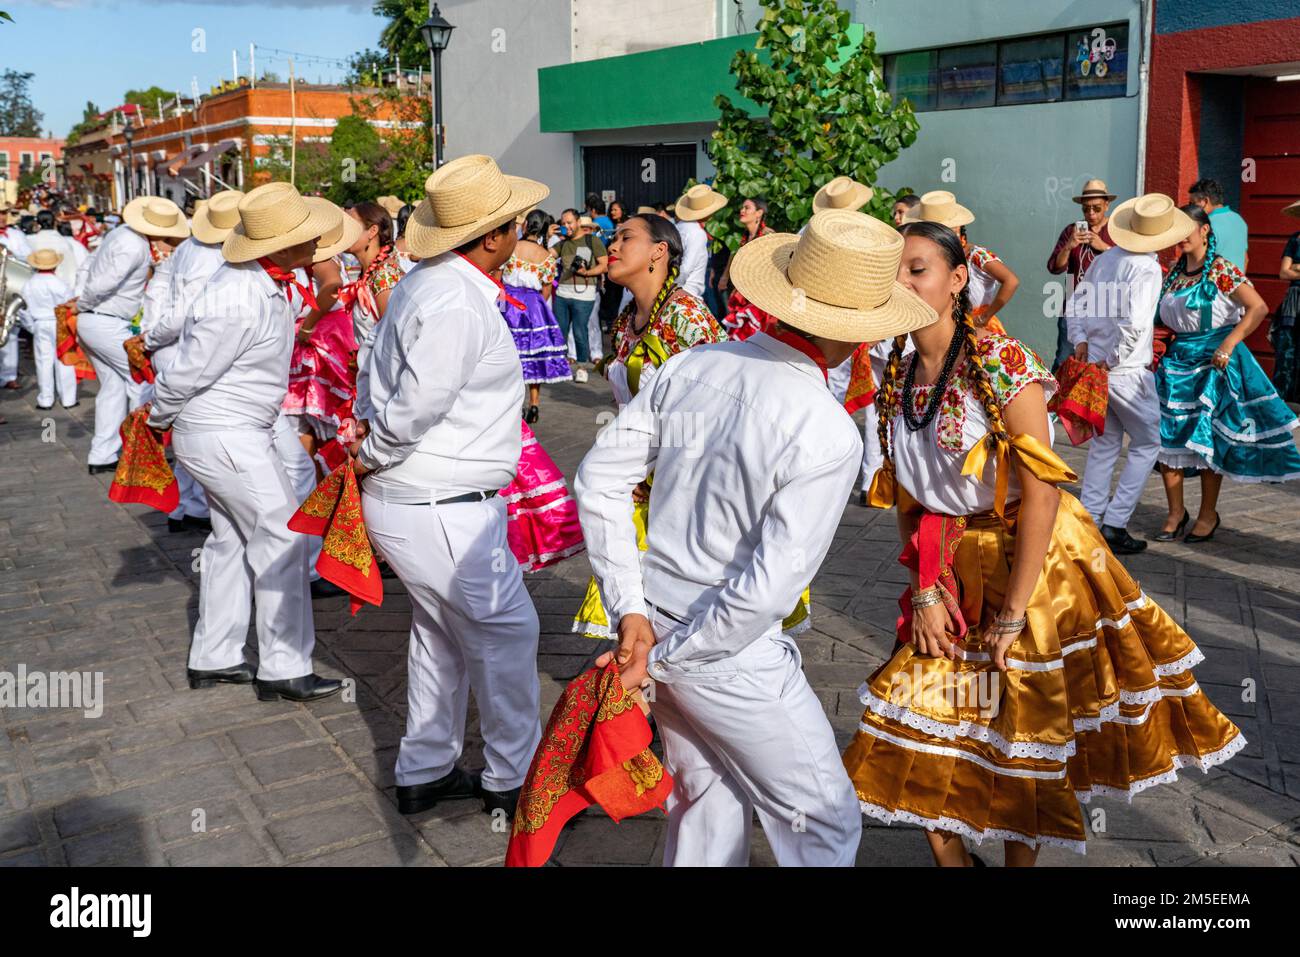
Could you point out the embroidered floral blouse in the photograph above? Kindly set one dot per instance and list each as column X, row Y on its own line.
column 530, row 275
column 382, row 279
column 928, row 463
column 1178, row 315
column 683, row 322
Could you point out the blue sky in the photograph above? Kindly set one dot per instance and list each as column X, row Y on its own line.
column 97, row 49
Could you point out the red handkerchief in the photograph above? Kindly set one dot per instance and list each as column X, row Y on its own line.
column 138, row 361
column 1080, row 402
column 333, row 510
column 862, row 384
column 595, row 750
column 67, row 348
column 143, row 474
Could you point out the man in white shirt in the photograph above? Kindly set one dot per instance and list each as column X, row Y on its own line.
column 11, row 237
column 1111, row 318
column 445, row 386
column 753, row 460
column 41, row 293
column 694, row 208
column 221, row 396
column 109, row 298
column 48, row 237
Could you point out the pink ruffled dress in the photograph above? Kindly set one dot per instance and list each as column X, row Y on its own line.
column 321, row 384
column 542, row 517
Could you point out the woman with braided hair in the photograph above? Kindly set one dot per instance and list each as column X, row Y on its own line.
column 1218, row 411
column 1031, row 671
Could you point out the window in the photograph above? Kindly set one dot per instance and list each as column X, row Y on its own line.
column 967, row 75
column 1087, row 63
column 24, row 161
column 1030, row 70
column 1098, row 62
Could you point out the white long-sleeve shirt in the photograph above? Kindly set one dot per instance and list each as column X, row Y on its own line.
column 192, row 265
column 13, row 238
column 445, row 387
column 1113, row 309
column 73, row 253
column 116, row 275
column 753, row 461
column 695, row 258
column 231, row 369
column 41, row 293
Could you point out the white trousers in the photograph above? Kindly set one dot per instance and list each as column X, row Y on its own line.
column 51, row 375
column 301, row 470
column 473, row 626
column 1132, row 408
column 9, row 358
column 747, row 733
column 192, row 500
column 101, row 339
column 249, row 555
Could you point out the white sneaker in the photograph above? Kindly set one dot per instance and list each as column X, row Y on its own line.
column 580, row 375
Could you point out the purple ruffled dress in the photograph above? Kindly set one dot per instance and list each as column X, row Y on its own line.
column 541, row 345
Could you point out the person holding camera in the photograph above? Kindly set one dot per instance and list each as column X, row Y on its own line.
column 583, row 260
column 1078, row 245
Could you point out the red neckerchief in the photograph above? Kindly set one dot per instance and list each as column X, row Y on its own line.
column 287, row 279
column 360, row 290
column 796, row 341
column 496, row 282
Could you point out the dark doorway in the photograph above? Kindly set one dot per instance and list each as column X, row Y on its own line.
column 638, row 175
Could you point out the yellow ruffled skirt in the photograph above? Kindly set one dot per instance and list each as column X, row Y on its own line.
column 1099, row 698
column 592, row 621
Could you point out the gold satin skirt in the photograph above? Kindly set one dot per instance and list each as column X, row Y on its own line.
column 1099, row 698
column 592, row 621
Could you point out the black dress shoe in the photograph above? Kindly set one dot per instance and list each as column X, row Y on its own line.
column 96, row 469
column 1177, row 532
column 533, row 415
column 454, row 786
column 320, row 588
column 1121, row 542
column 494, row 801
column 45, row 408
column 198, row 524
column 386, row 570
column 241, row 674
column 1193, row 539
column 306, row 688
column 176, row 525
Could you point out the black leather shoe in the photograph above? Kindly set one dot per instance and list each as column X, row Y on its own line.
column 494, row 801
column 198, row 524
column 44, row 408
column 176, row 525
column 533, row 415
column 306, row 688
column 1121, row 542
column 241, row 674
column 1193, row 539
column 1178, row 530
column 454, row 786
column 320, row 588
column 96, row 469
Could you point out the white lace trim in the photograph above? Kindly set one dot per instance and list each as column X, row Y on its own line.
column 535, row 509
column 537, row 561
column 794, row 631
column 1180, row 761
column 1189, row 660
column 963, row 729
column 539, row 490
column 965, row 830
column 959, row 753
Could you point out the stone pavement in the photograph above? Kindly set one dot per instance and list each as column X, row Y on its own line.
column 170, row 776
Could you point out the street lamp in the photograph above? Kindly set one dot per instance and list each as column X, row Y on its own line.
column 128, row 134
column 437, row 34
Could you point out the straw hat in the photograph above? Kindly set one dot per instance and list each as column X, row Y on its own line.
column 838, row 279
column 274, row 217
column 156, row 218
column 1146, row 224
column 646, row 211
column 1095, row 189
column 214, row 218
column 44, row 259
column 939, row 206
column 339, row 239
column 842, row 192
column 699, row 202
column 1292, row 210
column 465, row 199
column 392, row 204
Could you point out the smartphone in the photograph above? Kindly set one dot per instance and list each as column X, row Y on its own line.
column 1080, row 225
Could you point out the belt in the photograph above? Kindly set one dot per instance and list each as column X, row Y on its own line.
column 668, row 614
column 467, row 497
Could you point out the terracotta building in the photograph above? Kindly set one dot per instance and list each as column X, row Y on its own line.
column 19, row 154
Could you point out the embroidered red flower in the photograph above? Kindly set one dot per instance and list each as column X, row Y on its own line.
column 1012, row 358
column 1224, row 282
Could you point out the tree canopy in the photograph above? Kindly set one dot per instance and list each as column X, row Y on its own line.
column 18, row 115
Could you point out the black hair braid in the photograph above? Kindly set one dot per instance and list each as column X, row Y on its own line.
column 979, row 375
column 665, row 293
column 886, row 395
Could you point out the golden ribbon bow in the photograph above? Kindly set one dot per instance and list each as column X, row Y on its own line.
column 650, row 347
column 1045, row 464
column 884, row 487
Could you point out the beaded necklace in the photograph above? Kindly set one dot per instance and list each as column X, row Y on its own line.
column 940, row 386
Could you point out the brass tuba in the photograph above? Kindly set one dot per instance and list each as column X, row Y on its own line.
column 14, row 274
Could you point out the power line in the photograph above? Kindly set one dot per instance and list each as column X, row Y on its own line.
column 275, row 54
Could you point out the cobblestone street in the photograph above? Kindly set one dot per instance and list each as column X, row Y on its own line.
column 86, row 584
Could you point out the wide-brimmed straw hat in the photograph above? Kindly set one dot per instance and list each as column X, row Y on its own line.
column 214, row 218
column 465, row 199
column 699, row 202
column 838, row 279
column 1292, row 210
column 338, row 240
column 843, row 192
column 940, row 206
column 1095, row 189
column 274, row 217
column 44, row 259
column 392, row 204
column 1147, row 224
column 156, row 217
column 646, row 211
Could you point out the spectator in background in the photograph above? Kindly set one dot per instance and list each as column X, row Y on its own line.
column 1229, row 228
column 611, row 293
column 48, row 237
column 404, row 258
column 583, row 260
column 596, row 210
column 694, row 208
column 1076, row 248
column 902, row 205
column 1286, row 357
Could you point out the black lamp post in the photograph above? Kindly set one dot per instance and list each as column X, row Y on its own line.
column 128, row 133
column 437, row 34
